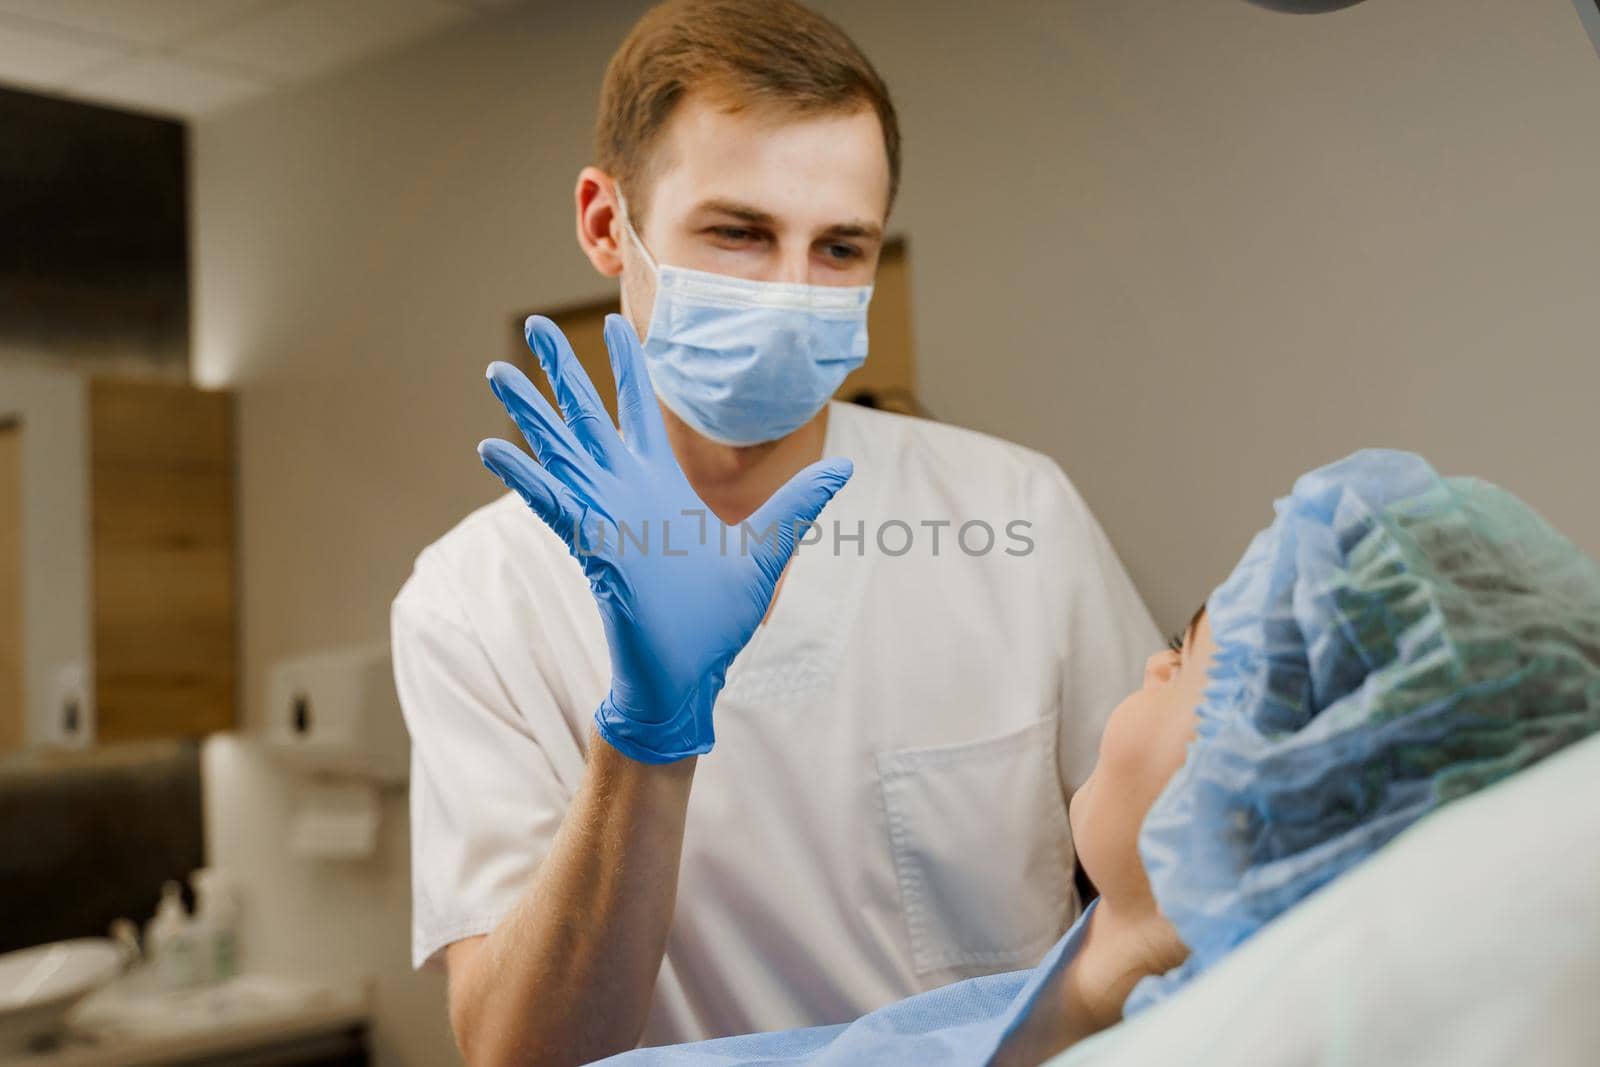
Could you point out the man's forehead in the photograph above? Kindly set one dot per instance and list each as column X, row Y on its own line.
column 817, row 171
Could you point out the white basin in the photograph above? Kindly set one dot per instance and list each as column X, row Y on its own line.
column 39, row 985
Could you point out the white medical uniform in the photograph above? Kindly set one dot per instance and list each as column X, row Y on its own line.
column 886, row 806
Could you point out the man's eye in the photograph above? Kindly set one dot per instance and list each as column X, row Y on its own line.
column 841, row 253
column 734, row 233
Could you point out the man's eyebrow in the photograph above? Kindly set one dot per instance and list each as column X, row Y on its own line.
column 870, row 231
column 743, row 212
column 756, row 217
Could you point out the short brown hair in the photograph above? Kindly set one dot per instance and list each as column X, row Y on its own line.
column 774, row 54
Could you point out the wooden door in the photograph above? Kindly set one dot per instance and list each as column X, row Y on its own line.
column 13, row 709
column 889, row 376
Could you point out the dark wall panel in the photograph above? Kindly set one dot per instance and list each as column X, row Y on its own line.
column 93, row 232
column 85, row 839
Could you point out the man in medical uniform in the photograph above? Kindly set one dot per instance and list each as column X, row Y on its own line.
column 884, row 810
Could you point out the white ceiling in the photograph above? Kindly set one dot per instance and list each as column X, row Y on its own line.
column 187, row 58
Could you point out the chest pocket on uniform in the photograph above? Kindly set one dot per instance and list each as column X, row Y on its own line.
column 982, row 850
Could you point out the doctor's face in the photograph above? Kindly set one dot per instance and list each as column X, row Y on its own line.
column 762, row 196
column 1145, row 742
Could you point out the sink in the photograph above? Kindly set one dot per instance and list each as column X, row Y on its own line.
column 39, row 985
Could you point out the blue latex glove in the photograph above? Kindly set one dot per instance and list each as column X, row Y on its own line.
column 679, row 593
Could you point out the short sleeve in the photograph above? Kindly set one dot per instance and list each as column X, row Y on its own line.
column 485, row 798
column 1107, row 633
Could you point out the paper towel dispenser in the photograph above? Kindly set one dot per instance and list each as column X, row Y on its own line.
column 337, row 712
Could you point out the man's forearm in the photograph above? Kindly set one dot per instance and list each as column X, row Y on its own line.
column 567, row 976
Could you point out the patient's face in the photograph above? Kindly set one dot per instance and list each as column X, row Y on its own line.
column 1143, row 746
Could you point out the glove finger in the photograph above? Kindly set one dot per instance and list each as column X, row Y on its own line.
column 575, row 396
column 539, row 489
column 638, row 414
column 795, row 505
column 550, row 439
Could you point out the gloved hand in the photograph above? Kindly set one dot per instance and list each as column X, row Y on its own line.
column 679, row 593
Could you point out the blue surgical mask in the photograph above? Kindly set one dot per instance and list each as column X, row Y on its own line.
column 742, row 362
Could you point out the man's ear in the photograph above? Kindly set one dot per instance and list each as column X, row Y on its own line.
column 599, row 223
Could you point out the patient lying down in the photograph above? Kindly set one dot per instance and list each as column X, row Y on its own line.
column 1394, row 641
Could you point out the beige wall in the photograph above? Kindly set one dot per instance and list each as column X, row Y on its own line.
column 1192, row 250
column 50, row 403
column 1189, row 250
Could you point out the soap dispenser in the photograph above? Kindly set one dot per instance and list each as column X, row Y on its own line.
column 216, row 922
column 169, row 942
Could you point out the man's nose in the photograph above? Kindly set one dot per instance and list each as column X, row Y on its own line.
column 794, row 266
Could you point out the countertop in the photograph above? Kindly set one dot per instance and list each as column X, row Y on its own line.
column 123, row 1026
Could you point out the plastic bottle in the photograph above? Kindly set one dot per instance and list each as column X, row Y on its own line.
column 169, row 942
column 216, row 925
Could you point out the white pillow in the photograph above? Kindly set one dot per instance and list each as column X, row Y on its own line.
column 1473, row 938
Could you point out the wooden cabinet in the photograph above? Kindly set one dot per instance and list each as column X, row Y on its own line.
column 117, row 604
column 161, row 547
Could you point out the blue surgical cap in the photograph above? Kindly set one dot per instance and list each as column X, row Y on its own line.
column 1393, row 641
